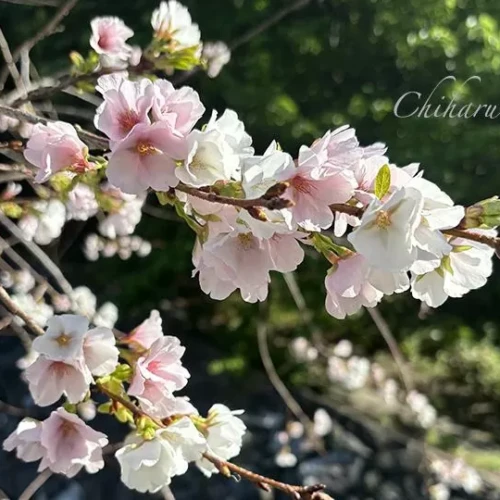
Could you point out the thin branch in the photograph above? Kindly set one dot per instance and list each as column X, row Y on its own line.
column 272, row 203
column 47, row 91
column 35, row 485
column 39, row 254
column 48, row 29
column 385, row 331
column 11, row 65
column 250, row 34
column 268, row 23
column 17, row 311
column 279, row 385
column 93, row 140
column 297, row 492
column 491, row 241
column 12, row 410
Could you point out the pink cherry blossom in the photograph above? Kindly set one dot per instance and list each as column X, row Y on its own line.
column 26, row 440
column 54, row 147
column 146, row 158
column 240, row 260
column 147, row 332
column 181, row 108
column 352, row 284
column 109, row 36
column 125, row 105
column 316, row 184
column 48, row 380
column 71, row 444
column 159, row 372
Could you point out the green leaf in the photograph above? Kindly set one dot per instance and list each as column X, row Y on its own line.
column 382, row 182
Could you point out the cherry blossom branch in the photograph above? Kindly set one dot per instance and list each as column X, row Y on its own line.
column 46, row 31
column 491, row 241
column 36, row 484
column 14, row 309
column 226, row 468
column 271, row 201
column 265, row 483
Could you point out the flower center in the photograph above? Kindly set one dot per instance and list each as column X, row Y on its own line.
column 105, row 41
column 245, row 240
column 127, row 120
column 383, row 219
column 302, row 185
column 146, row 148
column 63, row 340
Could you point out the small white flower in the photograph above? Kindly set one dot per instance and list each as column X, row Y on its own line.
column 217, row 55
column 147, row 466
column 83, row 301
column 24, row 281
column 107, row 315
column 63, row 339
column 39, row 311
column 386, row 234
column 224, row 436
column 210, row 159
column 47, row 224
column 171, row 20
column 234, row 132
column 466, row 268
column 81, row 203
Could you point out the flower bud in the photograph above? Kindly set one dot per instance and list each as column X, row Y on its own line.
column 483, row 214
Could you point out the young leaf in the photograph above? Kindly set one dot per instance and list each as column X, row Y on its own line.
column 382, row 182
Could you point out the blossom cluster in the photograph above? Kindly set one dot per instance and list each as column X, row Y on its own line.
column 398, row 236
column 71, row 358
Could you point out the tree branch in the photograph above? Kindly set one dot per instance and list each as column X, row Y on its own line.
column 36, row 484
column 47, row 30
column 272, row 203
column 14, row 309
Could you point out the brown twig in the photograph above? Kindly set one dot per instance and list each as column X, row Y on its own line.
column 14, row 309
column 272, row 203
column 35, row 485
column 13, row 410
column 226, row 468
column 48, row 29
column 491, row 241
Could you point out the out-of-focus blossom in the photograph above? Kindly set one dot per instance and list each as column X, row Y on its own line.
column 216, row 55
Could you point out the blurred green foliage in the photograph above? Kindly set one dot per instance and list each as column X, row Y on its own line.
column 327, row 64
